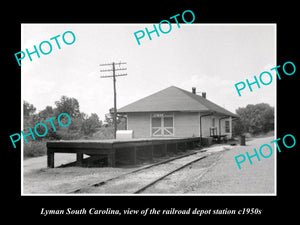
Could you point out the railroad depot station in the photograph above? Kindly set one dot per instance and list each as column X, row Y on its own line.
column 166, row 121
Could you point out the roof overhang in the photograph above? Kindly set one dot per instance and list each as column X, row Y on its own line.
column 213, row 113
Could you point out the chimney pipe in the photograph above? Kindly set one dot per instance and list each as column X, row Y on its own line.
column 204, row 94
column 193, row 90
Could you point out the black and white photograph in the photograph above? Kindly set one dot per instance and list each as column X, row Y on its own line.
column 182, row 113
column 150, row 111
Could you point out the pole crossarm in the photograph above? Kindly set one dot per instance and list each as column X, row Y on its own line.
column 112, row 70
column 117, row 75
column 110, row 64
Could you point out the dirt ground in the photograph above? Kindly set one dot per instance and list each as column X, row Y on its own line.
column 216, row 174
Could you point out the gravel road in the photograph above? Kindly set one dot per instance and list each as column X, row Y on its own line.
column 219, row 174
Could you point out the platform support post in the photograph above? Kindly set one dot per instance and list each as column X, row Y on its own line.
column 185, row 146
column 165, row 149
column 79, row 159
column 111, row 158
column 133, row 155
column 50, row 159
column 192, row 144
column 151, row 152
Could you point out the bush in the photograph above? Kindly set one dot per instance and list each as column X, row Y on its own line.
column 254, row 119
column 34, row 149
column 103, row 133
column 65, row 134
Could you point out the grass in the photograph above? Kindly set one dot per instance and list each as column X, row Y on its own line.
column 250, row 137
column 268, row 134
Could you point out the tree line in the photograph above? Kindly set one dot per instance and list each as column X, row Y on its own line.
column 82, row 125
column 254, row 119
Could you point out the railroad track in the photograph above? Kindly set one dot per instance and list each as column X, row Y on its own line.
column 137, row 181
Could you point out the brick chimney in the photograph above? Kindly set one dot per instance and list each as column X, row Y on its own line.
column 203, row 94
column 194, row 90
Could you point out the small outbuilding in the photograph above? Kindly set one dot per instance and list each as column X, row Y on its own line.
column 174, row 112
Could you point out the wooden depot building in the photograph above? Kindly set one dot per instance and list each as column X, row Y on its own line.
column 174, row 112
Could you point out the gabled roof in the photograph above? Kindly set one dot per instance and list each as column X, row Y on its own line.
column 174, row 99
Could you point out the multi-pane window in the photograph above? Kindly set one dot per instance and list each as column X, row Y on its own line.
column 162, row 124
column 227, row 129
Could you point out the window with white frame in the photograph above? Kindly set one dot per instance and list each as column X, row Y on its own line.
column 162, row 124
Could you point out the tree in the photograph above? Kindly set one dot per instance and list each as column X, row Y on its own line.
column 67, row 105
column 254, row 119
column 90, row 124
column 47, row 113
column 28, row 109
column 95, row 118
column 40, row 117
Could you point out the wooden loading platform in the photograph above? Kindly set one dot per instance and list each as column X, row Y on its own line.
column 113, row 148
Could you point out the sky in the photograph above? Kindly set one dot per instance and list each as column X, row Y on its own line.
column 210, row 57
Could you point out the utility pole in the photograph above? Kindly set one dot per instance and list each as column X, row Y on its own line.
column 114, row 75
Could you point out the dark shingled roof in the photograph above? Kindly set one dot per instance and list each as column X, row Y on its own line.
column 174, row 99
